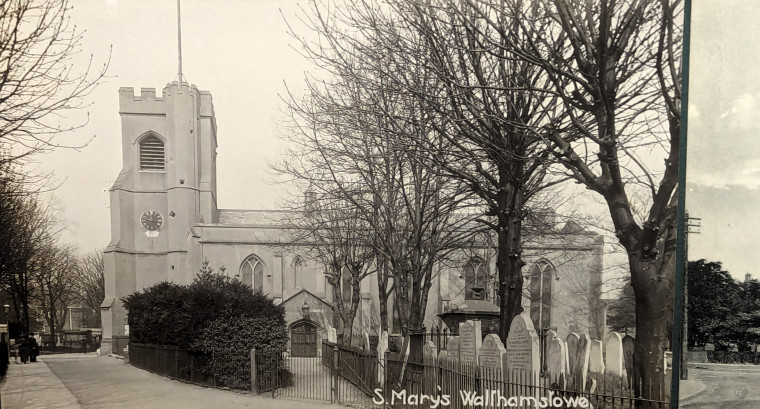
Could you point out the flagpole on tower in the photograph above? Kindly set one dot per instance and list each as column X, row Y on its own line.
column 179, row 44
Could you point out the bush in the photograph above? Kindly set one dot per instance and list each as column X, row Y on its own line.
column 172, row 314
column 241, row 333
column 228, row 342
column 157, row 315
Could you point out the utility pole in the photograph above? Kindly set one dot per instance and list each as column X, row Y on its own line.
column 692, row 227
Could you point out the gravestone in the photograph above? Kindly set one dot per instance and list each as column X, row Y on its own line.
column 709, row 347
column 470, row 340
column 443, row 359
column 332, row 335
column 614, row 355
column 581, row 363
column 629, row 344
column 550, row 335
column 430, row 365
column 596, row 378
column 596, row 357
column 452, row 346
column 556, row 363
column 366, row 341
column 429, row 353
column 382, row 347
column 571, row 342
column 492, row 356
column 522, row 350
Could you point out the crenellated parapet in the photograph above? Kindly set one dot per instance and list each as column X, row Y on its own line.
column 148, row 103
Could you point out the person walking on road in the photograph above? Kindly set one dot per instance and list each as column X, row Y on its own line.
column 25, row 349
column 34, row 348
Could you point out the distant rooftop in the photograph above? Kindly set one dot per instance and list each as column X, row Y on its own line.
column 253, row 217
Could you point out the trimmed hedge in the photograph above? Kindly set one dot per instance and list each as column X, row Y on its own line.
column 269, row 338
column 173, row 314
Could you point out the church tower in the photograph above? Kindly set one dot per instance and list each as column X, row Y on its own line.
column 166, row 186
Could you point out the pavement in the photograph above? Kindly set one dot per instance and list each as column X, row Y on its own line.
column 725, row 386
column 34, row 385
column 89, row 381
column 689, row 388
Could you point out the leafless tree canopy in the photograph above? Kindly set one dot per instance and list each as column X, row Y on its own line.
column 89, row 283
column 42, row 82
column 508, row 99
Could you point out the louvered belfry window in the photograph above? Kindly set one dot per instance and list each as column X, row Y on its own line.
column 152, row 154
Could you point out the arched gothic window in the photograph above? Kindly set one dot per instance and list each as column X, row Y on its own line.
column 298, row 265
column 152, row 153
column 541, row 283
column 476, row 280
column 252, row 272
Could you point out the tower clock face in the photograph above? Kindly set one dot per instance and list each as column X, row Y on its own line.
column 151, row 220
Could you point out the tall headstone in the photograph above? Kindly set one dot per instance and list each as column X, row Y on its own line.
column 581, row 363
column 429, row 353
column 492, row 357
column 452, row 346
column 614, row 354
column 443, row 358
column 382, row 347
column 629, row 345
column 366, row 341
column 550, row 335
column 522, row 350
column 557, row 363
column 572, row 350
column 596, row 357
column 470, row 340
column 430, row 366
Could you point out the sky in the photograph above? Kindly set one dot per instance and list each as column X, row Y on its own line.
column 241, row 52
column 723, row 165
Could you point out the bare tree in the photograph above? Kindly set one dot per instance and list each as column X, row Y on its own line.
column 333, row 232
column 615, row 66
column 356, row 132
column 26, row 234
column 495, row 107
column 483, row 111
column 89, row 283
column 54, row 278
column 40, row 79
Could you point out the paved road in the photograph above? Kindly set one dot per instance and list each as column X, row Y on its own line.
column 726, row 387
column 105, row 382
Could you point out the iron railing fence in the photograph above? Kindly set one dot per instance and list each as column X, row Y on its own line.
column 341, row 374
column 466, row 385
column 733, row 357
column 220, row 368
column 355, row 365
column 351, row 376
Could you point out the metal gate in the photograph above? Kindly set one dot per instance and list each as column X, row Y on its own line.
column 340, row 375
column 303, row 339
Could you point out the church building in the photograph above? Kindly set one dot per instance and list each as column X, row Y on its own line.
column 165, row 223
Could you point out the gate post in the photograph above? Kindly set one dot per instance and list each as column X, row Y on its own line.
column 334, row 392
column 254, row 388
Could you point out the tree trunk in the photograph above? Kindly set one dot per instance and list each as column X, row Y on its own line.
column 402, row 299
column 508, row 259
column 382, row 286
column 653, row 287
column 420, row 292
